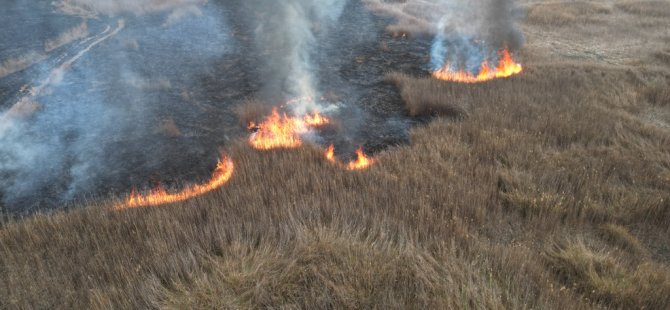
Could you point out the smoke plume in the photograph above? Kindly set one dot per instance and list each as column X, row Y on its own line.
column 466, row 32
column 286, row 34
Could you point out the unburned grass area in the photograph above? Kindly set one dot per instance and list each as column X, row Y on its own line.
column 485, row 210
column 567, row 13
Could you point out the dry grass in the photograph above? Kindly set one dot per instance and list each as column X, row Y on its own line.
column 621, row 237
column 252, row 111
column 645, row 8
column 412, row 17
column 91, row 8
column 444, row 222
column 17, row 64
column 570, row 13
column 22, row 109
column 463, row 217
column 658, row 94
column 427, row 97
column 169, row 128
column 601, row 277
column 338, row 269
column 67, row 37
column 663, row 56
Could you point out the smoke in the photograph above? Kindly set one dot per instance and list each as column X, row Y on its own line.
column 30, row 58
column 182, row 13
column 286, row 34
column 34, row 147
column 466, row 32
column 76, row 33
column 116, row 93
column 418, row 17
column 476, row 34
column 502, row 28
column 90, row 8
column 13, row 65
column 89, row 114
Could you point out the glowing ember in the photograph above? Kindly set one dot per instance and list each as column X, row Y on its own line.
column 361, row 162
column 506, row 68
column 222, row 174
column 282, row 131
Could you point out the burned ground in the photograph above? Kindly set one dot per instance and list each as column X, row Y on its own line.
column 170, row 85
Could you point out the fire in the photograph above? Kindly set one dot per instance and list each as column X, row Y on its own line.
column 362, row 161
column 276, row 132
column 222, row 174
column 283, row 131
column 506, row 67
column 315, row 120
column 330, row 153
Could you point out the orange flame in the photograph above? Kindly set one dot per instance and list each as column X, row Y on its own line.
column 330, row 153
column 362, row 161
column 282, row 131
column 277, row 132
column 222, row 174
column 315, row 120
column 506, row 68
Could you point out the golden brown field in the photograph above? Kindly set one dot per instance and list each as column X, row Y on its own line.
column 548, row 190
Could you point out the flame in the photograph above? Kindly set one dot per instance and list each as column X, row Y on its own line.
column 506, row 68
column 315, row 120
column 362, row 161
column 276, row 132
column 282, row 131
column 222, row 174
column 330, row 153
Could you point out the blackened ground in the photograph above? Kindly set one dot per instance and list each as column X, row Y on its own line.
column 195, row 90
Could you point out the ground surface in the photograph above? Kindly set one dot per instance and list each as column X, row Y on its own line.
column 548, row 190
column 171, row 93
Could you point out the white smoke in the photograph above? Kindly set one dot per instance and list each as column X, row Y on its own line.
column 289, row 30
column 182, row 13
column 60, row 136
column 17, row 64
column 89, row 8
column 490, row 19
column 76, row 33
column 466, row 32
